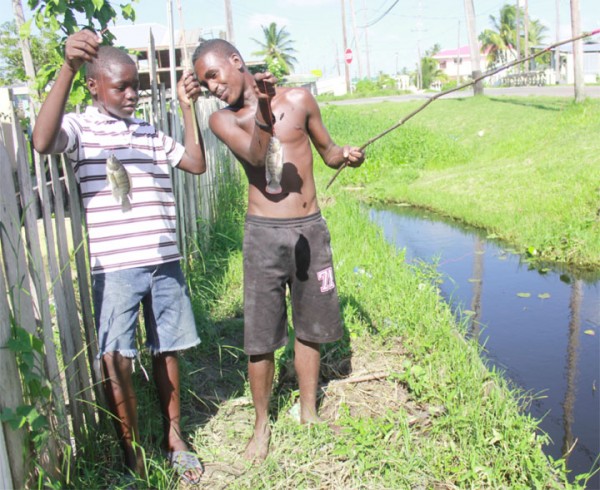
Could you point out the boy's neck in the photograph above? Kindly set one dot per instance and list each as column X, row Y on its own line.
column 102, row 110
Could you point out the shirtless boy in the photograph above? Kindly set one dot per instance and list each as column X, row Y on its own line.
column 286, row 240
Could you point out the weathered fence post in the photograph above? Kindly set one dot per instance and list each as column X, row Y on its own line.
column 13, row 443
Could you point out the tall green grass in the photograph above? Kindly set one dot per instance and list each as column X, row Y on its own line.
column 525, row 169
column 457, row 424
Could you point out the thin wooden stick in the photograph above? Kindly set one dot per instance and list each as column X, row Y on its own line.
column 460, row 87
column 188, row 65
column 363, row 378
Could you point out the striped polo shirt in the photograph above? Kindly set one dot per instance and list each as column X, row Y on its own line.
column 145, row 235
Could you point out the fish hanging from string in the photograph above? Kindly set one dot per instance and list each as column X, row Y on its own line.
column 273, row 158
column 119, row 181
column 460, row 87
column 274, row 166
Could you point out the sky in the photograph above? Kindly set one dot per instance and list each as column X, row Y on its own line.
column 397, row 29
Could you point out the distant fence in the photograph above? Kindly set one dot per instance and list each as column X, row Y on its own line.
column 45, row 303
column 528, row 78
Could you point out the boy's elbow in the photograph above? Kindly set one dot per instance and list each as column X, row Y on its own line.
column 39, row 143
column 199, row 170
column 44, row 144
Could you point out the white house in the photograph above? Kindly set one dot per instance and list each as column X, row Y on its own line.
column 591, row 63
column 456, row 63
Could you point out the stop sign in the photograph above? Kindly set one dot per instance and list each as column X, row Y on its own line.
column 348, row 55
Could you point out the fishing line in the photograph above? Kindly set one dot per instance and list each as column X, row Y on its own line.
column 460, row 87
column 271, row 117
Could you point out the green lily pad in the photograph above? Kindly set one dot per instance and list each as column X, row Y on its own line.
column 544, row 295
column 523, row 295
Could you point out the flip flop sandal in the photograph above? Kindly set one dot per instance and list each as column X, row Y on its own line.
column 182, row 462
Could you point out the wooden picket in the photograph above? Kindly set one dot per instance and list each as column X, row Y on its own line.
column 45, row 287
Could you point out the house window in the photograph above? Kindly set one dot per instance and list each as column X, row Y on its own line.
column 442, row 65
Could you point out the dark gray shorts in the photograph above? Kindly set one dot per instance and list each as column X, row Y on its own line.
column 294, row 252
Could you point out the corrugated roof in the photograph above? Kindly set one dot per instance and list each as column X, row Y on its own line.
column 451, row 53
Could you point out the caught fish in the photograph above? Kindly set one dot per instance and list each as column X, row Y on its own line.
column 274, row 166
column 120, row 182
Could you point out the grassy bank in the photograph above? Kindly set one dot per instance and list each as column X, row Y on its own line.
column 414, row 405
column 525, row 169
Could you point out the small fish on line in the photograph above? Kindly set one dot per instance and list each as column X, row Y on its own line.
column 274, row 166
column 119, row 181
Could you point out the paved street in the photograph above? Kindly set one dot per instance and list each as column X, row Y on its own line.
column 548, row 91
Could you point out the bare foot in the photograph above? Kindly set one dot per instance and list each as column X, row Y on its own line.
column 316, row 420
column 258, row 445
column 308, row 415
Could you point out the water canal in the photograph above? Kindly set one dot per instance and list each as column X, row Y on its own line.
column 541, row 327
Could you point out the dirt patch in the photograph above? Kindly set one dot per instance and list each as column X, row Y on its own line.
column 366, row 384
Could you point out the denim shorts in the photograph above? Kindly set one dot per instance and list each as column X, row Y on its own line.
column 168, row 316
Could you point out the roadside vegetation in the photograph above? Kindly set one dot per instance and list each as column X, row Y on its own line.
column 524, row 169
column 407, row 401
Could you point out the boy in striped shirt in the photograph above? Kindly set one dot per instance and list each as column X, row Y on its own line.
column 133, row 249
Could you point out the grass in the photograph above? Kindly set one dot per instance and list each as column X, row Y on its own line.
column 522, row 168
column 434, row 418
column 428, row 414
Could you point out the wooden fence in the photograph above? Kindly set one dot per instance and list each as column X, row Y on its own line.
column 45, row 303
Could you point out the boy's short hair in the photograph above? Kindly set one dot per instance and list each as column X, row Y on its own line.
column 107, row 56
column 220, row 46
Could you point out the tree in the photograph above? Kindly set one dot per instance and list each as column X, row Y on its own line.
column 429, row 66
column 68, row 18
column 44, row 50
column 277, row 50
column 500, row 42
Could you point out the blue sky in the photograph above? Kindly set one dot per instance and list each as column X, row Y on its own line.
column 315, row 26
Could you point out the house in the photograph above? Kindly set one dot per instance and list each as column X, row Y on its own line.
column 136, row 39
column 591, row 63
column 454, row 63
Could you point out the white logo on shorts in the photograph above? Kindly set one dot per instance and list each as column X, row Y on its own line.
column 326, row 278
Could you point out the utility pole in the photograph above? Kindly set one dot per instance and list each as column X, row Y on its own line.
column 526, row 29
column 473, row 47
column 229, row 22
column 27, row 58
column 356, row 39
column 345, row 46
column 458, row 55
column 557, row 50
column 577, row 52
column 419, row 29
column 518, row 31
column 367, row 41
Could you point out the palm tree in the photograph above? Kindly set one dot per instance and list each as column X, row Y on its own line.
column 277, row 50
column 429, row 67
column 500, row 41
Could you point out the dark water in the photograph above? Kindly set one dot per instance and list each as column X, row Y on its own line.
column 539, row 341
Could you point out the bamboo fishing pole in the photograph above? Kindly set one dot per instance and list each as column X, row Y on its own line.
column 460, row 87
column 188, row 65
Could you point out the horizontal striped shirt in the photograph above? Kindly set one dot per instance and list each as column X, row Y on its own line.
column 119, row 239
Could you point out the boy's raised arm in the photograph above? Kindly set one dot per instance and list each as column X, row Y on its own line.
column 193, row 159
column 47, row 135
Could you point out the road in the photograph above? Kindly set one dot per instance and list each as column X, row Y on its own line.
column 547, row 91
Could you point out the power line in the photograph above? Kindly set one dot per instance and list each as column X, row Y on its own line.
column 373, row 22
